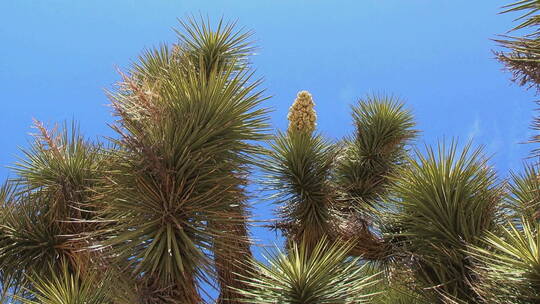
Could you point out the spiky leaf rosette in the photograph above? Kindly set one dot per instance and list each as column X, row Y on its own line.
column 398, row 293
column 7, row 193
column 394, row 287
column 29, row 241
column 185, row 152
column 47, row 213
column 298, row 167
column 63, row 168
column 201, row 48
column 525, row 193
column 508, row 271
column 322, row 274
column 213, row 48
column 7, row 279
column 204, row 51
column 64, row 286
column 444, row 201
column 222, row 48
column 523, row 55
column 366, row 162
column 383, row 128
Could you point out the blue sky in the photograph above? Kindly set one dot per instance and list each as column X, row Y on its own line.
column 57, row 57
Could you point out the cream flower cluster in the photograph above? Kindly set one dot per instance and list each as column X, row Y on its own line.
column 302, row 116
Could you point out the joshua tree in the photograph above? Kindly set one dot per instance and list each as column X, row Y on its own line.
column 333, row 190
column 299, row 167
column 522, row 57
column 443, row 202
column 510, row 271
column 176, row 195
column 414, row 215
column 163, row 207
column 524, row 194
column 47, row 209
column 320, row 274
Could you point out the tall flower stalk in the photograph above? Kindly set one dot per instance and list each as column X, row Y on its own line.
column 302, row 116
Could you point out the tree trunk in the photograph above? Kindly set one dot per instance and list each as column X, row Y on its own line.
column 232, row 259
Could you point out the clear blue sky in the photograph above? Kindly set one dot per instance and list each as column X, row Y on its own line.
column 56, row 57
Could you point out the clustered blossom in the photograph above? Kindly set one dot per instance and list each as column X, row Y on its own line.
column 302, row 116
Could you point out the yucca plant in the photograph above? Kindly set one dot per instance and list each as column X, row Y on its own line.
column 64, row 286
column 327, row 189
column 299, row 171
column 213, row 48
column 507, row 264
column 303, row 275
column 164, row 208
column 377, row 148
column 7, row 279
column 394, row 286
column 176, row 195
column 46, row 213
column 222, row 48
column 397, row 293
column 443, row 202
column 524, row 190
column 523, row 55
column 365, row 165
